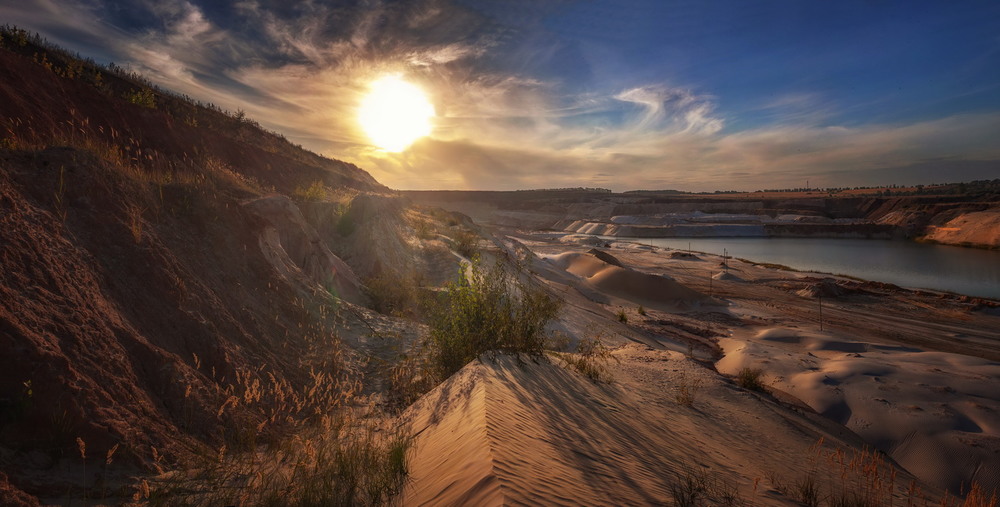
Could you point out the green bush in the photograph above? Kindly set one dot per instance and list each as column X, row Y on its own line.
column 315, row 192
column 143, row 97
column 487, row 310
column 750, row 378
column 392, row 294
column 346, row 225
column 467, row 243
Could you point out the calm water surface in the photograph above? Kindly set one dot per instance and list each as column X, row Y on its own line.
column 905, row 263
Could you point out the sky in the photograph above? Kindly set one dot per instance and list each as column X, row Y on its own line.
column 694, row 95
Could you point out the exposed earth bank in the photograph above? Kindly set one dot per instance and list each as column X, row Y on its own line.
column 963, row 220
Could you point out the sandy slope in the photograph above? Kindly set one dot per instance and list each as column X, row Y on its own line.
column 535, row 433
column 909, row 373
column 980, row 228
column 935, row 413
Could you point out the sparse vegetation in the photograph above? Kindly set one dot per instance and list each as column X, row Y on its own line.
column 750, row 378
column 591, row 359
column 345, row 461
column 489, row 309
column 134, row 216
column 641, row 311
column 836, row 478
column 807, row 491
column 393, row 294
column 142, row 97
column 346, row 224
column 687, row 491
column 317, row 191
column 423, row 229
column 622, row 316
column 687, row 390
column 467, row 243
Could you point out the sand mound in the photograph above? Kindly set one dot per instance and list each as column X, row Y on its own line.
column 914, row 405
column 676, row 254
column 725, row 275
column 645, row 288
column 580, row 264
column 651, row 290
column 827, row 288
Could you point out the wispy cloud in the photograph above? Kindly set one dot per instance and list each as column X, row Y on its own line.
column 303, row 67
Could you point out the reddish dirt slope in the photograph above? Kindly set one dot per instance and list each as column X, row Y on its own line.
column 133, row 278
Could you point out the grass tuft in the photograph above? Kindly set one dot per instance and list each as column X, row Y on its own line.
column 750, row 378
column 591, row 359
column 687, row 390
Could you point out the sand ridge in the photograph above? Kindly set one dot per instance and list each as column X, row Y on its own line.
column 505, row 431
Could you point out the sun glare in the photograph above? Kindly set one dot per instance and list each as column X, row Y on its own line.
column 395, row 113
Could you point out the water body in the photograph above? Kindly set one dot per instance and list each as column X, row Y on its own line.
column 905, row 263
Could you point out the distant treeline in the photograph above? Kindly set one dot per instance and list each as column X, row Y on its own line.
column 668, row 191
column 568, row 189
column 961, row 188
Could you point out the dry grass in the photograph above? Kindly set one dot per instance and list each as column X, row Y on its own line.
column 687, row 390
column 591, row 359
column 134, row 216
column 864, row 478
column 346, row 460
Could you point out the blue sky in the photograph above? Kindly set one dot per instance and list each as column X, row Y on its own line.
column 692, row 95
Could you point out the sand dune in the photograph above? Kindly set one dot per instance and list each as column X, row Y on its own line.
column 510, row 433
column 935, row 413
column 655, row 291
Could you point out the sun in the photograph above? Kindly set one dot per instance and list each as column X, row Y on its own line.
column 395, row 113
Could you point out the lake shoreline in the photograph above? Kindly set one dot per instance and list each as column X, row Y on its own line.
column 903, row 263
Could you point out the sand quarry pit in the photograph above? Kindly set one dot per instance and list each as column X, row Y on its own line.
column 907, row 375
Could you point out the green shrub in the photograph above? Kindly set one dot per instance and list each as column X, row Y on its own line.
column 392, row 294
column 487, row 310
column 467, row 243
column 641, row 311
column 750, row 378
column 142, row 97
column 346, row 225
column 315, row 192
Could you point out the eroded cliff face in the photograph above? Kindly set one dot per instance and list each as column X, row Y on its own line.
column 948, row 221
column 976, row 228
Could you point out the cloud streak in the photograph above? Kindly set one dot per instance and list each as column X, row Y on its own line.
column 302, row 68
